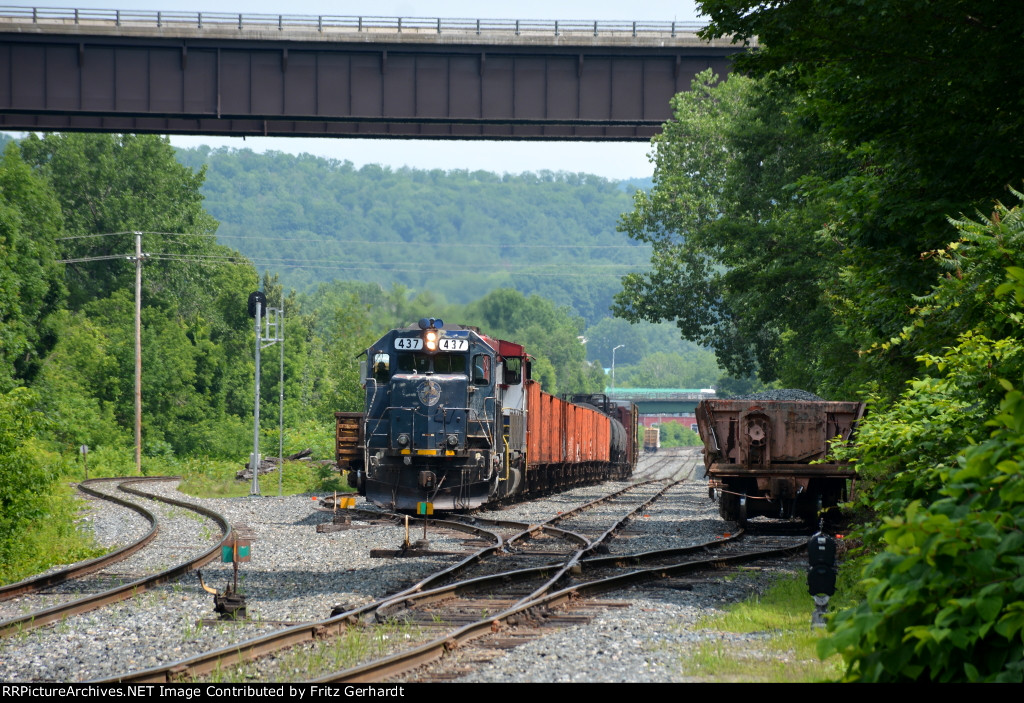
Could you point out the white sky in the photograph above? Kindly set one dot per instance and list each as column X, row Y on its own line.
column 610, row 160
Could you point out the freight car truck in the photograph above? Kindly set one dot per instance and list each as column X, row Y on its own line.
column 758, row 455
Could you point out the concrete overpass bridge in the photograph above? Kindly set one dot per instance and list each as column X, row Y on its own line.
column 289, row 75
column 658, row 405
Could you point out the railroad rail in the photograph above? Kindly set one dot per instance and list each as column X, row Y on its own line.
column 122, row 592
column 39, row 583
column 453, row 575
column 529, row 612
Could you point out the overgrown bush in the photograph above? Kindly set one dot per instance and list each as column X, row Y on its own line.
column 946, row 587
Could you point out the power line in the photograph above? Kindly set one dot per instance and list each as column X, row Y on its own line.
column 525, row 269
column 371, row 242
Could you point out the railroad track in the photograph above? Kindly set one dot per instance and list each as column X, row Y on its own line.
column 495, row 609
column 279, row 562
column 107, row 579
column 306, row 633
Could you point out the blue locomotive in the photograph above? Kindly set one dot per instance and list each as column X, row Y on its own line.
column 453, row 419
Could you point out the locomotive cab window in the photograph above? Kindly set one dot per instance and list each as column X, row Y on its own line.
column 482, row 370
column 445, row 363
column 381, row 367
column 413, row 363
column 513, row 370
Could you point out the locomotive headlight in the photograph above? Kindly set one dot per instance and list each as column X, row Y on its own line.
column 430, row 339
column 403, row 440
column 453, row 440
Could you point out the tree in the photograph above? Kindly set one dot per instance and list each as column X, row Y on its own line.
column 109, row 184
column 945, row 597
column 31, row 281
column 739, row 262
column 898, row 83
column 896, row 88
column 545, row 331
column 661, row 370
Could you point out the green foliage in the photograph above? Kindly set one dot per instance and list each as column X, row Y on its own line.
column 122, row 184
column 456, row 234
column 55, row 540
column 898, row 82
column 550, row 334
column 31, row 287
column 946, row 596
column 739, row 263
column 661, row 370
column 783, row 648
column 891, row 89
column 22, row 476
column 36, row 513
column 673, row 434
column 945, row 592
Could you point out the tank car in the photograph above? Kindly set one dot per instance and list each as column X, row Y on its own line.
column 453, row 419
column 758, row 455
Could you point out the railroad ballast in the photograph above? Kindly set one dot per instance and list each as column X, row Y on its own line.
column 453, row 418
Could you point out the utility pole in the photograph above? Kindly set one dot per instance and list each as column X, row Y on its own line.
column 139, row 256
column 280, row 405
column 138, row 353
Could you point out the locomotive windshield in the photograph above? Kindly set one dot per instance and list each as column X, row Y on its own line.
column 421, row 363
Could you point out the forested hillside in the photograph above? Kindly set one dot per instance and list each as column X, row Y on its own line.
column 455, row 234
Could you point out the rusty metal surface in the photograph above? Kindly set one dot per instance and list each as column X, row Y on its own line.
column 373, row 88
column 777, row 435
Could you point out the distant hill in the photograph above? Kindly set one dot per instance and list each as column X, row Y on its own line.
column 457, row 234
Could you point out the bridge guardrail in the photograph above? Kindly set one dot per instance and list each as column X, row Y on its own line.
column 331, row 23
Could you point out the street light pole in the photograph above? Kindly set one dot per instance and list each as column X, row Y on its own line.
column 613, row 363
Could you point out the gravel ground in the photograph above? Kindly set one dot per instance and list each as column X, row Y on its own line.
column 297, row 575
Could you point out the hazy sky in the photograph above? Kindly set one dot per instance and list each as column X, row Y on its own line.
column 611, row 160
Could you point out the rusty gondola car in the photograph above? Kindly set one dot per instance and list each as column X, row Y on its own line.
column 453, row 419
column 758, row 455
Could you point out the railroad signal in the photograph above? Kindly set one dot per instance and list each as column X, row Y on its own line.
column 257, row 303
column 821, row 574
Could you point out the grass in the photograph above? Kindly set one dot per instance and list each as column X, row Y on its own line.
column 357, row 645
column 45, row 542
column 216, row 479
column 778, row 643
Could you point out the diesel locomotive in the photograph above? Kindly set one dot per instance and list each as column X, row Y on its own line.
column 453, row 419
